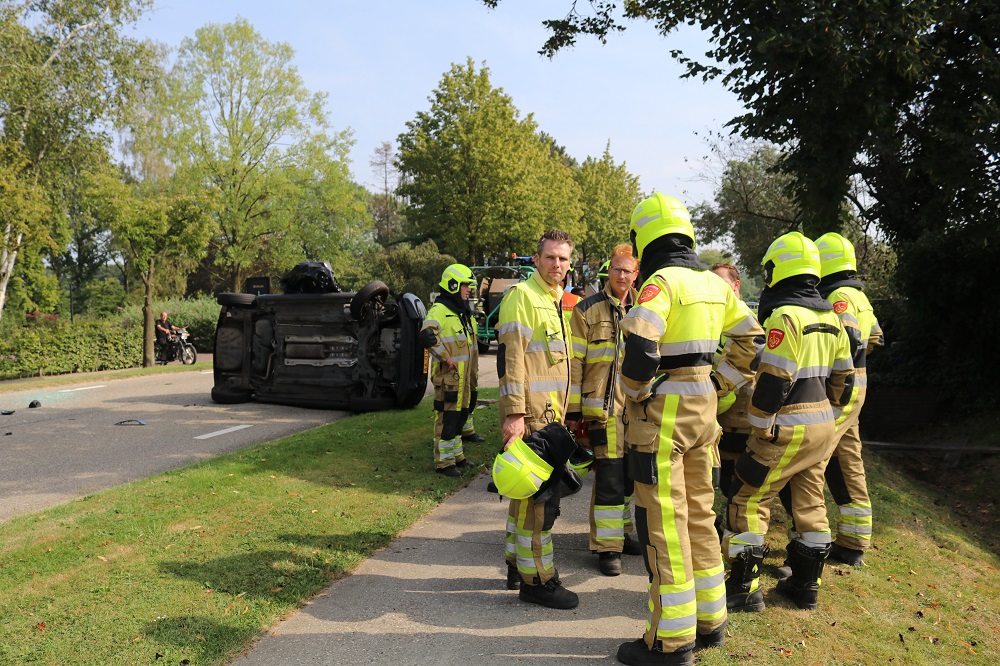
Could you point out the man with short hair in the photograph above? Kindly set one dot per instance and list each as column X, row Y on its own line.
column 533, row 369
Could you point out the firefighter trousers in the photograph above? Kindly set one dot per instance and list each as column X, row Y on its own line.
column 448, row 448
column 611, row 499
column 846, row 477
column 797, row 459
column 529, row 539
column 670, row 457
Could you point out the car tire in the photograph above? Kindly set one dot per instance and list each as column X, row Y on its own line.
column 239, row 300
column 223, row 397
column 372, row 290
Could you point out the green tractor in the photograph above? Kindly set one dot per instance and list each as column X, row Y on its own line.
column 492, row 283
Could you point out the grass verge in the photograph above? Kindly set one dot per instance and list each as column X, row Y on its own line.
column 193, row 564
column 190, row 566
column 29, row 383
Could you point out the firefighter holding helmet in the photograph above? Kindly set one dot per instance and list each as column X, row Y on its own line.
column 671, row 396
column 449, row 332
column 805, row 373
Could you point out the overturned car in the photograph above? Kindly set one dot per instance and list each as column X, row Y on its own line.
column 320, row 347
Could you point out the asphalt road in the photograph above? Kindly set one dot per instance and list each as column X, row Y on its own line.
column 70, row 446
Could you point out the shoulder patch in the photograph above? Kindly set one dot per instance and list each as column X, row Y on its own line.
column 774, row 338
column 649, row 292
column 840, row 307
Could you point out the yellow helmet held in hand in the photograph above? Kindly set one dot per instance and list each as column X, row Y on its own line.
column 790, row 255
column 581, row 460
column 455, row 276
column 836, row 254
column 657, row 216
column 519, row 472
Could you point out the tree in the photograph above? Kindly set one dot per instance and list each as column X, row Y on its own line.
column 478, row 178
column 384, row 204
column 65, row 69
column 242, row 122
column 609, row 194
column 150, row 224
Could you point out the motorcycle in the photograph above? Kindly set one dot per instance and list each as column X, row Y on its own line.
column 177, row 348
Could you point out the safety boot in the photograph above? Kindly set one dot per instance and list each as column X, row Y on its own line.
column 635, row 653
column 464, row 463
column 855, row 558
column 610, row 564
column 450, row 471
column 473, row 437
column 713, row 640
column 743, row 593
column 806, row 563
column 631, row 546
column 550, row 595
column 513, row 577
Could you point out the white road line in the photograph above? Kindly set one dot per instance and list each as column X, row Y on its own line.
column 207, row 372
column 85, row 388
column 223, row 432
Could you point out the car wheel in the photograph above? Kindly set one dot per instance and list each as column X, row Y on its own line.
column 224, row 397
column 367, row 293
column 241, row 300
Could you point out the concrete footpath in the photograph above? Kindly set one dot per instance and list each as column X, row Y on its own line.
column 437, row 595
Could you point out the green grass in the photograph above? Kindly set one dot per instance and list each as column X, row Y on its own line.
column 193, row 564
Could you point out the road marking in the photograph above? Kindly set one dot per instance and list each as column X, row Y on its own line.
column 223, row 432
column 207, row 372
column 85, row 388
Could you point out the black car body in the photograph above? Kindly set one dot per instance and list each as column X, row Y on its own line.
column 355, row 351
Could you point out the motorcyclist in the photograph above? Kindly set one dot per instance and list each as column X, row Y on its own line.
column 164, row 332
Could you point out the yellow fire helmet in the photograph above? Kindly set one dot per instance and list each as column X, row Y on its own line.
column 602, row 272
column 657, row 216
column 789, row 255
column 581, row 460
column 455, row 276
column 836, row 254
column 519, row 472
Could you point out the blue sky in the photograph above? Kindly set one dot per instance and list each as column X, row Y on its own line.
column 379, row 60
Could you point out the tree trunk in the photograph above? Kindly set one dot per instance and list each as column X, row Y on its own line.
column 7, row 258
column 148, row 320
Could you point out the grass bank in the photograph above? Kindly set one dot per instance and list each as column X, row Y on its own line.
column 30, row 383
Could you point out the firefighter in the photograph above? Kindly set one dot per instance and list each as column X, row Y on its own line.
column 596, row 398
column 449, row 332
column 845, row 474
column 533, row 370
column 671, row 335
column 732, row 414
column 805, row 372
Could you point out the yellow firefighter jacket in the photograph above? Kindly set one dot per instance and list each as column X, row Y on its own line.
column 596, row 358
column 804, row 370
column 452, row 341
column 858, row 317
column 532, row 360
column 735, row 417
column 671, row 337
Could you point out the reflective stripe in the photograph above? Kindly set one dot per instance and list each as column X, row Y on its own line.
column 740, row 542
column 848, row 510
column 778, row 362
column 462, row 358
column 741, row 328
column 843, row 364
column 515, row 326
column 548, row 385
column 438, row 351
column 688, row 347
column 731, row 373
column 541, row 346
column 677, row 598
column 633, row 393
column 855, row 530
column 579, row 348
column 433, row 322
column 575, row 390
column 650, row 317
column 511, row 389
column 860, row 380
column 810, row 418
column 815, row 539
column 813, row 371
column 610, row 532
column 594, row 403
column 644, row 220
column 685, row 388
column 762, row 423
